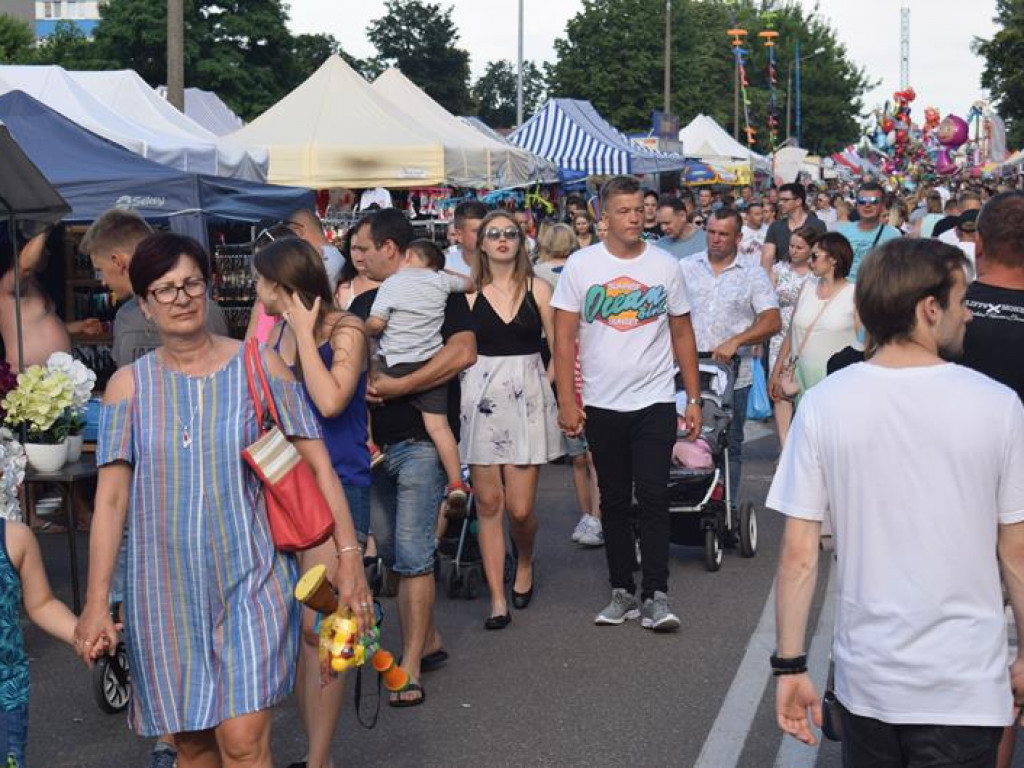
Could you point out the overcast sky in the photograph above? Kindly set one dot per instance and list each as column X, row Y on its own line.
column 943, row 70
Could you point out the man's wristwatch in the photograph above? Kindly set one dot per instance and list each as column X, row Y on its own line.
column 698, row 401
column 796, row 665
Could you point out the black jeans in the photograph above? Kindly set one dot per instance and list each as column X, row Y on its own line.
column 869, row 743
column 634, row 448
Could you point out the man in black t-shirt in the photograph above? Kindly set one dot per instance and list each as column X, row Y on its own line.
column 408, row 487
column 995, row 336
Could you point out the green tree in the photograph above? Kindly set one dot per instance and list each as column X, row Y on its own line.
column 613, row 55
column 310, row 51
column 69, row 47
column 420, row 39
column 1003, row 75
column 16, row 39
column 495, row 93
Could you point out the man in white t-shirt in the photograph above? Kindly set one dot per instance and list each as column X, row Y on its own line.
column 305, row 224
column 919, row 464
column 754, row 232
column 625, row 304
column 461, row 256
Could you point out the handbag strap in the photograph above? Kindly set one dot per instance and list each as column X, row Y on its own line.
column 814, row 322
column 262, row 394
column 371, row 723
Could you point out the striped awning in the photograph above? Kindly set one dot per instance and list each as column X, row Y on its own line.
column 575, row 137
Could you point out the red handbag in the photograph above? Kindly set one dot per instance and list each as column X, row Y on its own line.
column 297, row 511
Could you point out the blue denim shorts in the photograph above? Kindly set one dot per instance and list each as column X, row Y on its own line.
column 406, row 495
column 358, row 498
column 576, row 446
column 14, row 734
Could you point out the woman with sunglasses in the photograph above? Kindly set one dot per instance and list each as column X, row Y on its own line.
column 824, row 320
column 788, row 276
column 509, row 415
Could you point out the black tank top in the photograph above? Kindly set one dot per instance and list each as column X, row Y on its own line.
column 520, row 336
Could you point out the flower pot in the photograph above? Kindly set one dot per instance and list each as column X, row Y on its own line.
column 46, row 458
column 75, row 448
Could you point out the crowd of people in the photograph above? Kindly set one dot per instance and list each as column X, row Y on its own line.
column 394, row 364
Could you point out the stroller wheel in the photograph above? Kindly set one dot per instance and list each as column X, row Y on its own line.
column 748, row 529
column 111, row 684
column 712, row 550
column 452, row 582
column 471, row 583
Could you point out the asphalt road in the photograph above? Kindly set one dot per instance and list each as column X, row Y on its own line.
column 551, row 690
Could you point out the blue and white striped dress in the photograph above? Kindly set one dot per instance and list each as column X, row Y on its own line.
column 211, row 624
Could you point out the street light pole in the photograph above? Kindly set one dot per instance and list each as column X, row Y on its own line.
column 176, row 53
column 668, row 58
column 519, row 73
column 797, row 67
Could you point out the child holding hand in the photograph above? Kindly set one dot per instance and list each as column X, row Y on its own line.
column 22, row 577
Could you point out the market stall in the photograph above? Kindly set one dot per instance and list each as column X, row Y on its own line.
column 706, row 141
column 334, row 130
column 575, row 137
column 61, row 92
column 471, row 159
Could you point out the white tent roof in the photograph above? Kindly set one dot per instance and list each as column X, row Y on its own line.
column 335, row 131
column 471, row 158
column 128, row 94
column 56, row 88
column 707, row 141
column 207, row 109
column 544, row 170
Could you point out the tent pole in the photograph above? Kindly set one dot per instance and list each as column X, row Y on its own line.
column 16, row 266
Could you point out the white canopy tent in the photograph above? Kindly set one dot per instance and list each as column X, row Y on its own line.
column 334, row 130
column 57, row 89
column 705, row 140
column 128, row 94
column 207, row 109
column 471, row 158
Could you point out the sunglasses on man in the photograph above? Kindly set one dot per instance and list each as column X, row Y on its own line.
column 868, row 200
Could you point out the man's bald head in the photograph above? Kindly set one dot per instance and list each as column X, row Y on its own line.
column 305, row 224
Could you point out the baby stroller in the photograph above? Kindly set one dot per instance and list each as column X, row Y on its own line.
column 700, row 504
column 459, row 566
column 111, row 682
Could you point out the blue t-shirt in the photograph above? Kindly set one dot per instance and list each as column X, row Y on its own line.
column 684, row 246
column 13, row 661
column 864, row 241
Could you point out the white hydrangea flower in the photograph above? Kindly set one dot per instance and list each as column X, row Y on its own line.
column 82, row 377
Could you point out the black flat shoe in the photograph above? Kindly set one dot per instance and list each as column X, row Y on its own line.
column 521, row 599
column 498, row 622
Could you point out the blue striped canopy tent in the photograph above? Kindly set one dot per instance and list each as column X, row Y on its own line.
column 575, row 137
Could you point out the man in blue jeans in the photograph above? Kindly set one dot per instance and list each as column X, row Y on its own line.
column 734, row 307
column 408, row 488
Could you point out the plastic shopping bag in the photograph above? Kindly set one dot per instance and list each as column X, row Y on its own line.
column 759, row 405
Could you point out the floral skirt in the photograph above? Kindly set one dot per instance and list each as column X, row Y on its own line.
column 509, row 414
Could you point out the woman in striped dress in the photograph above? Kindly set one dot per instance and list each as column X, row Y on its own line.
column 211, row 625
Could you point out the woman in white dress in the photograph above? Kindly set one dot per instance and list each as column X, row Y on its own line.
column 824, row 321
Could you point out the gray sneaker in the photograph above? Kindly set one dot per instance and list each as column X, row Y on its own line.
column 622, row 607
column 656, row 615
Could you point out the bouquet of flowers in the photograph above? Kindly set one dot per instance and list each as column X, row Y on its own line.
column 38, row 404
column 83, row 380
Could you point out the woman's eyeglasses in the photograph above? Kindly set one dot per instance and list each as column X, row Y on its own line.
column 193, row 288
column 509, row 233
column 815, row 255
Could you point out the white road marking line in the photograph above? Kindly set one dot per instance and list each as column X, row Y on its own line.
column 725, row 741
column 792, row 753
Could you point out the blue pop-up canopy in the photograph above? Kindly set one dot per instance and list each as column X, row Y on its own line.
column 94, row 175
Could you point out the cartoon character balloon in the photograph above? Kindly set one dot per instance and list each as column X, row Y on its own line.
column 953, row 132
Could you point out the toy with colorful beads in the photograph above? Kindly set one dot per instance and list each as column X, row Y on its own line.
column 341, row 647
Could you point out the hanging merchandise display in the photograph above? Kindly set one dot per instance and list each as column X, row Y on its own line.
column 740, row 53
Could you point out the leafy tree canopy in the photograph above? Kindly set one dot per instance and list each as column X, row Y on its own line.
column 1003, row 74
column 420, row 39
column 495, row 93
column 16, row 38
column 613, row 55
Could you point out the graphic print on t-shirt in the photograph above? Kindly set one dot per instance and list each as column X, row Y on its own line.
column 624, row 303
